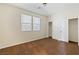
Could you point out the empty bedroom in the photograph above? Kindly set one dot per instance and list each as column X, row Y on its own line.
column 39, row 28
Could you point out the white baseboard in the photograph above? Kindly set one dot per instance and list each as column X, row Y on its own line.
column 21, row 42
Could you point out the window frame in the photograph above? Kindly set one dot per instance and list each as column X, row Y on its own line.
column 37, row 24
column 25, row 30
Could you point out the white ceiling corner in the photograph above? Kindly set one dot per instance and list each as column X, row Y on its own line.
column 50, row 9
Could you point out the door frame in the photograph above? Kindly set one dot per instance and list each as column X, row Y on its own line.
column 78, row 30
column 68, row 28
column 48, row 27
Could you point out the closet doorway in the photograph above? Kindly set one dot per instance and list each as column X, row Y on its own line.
column 73, row 30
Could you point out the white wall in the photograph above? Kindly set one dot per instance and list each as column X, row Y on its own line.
column 60, row 23
column 60, row 27
column 10, row 27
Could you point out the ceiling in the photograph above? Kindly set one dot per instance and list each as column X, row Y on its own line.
column 50, row 9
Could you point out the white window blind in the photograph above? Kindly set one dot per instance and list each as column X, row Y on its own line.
column 36, row 24
column 26, row 22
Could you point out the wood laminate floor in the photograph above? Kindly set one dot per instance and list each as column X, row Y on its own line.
column 46, row 46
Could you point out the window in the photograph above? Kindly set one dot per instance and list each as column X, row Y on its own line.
column 36, row 24
column 26, row 23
